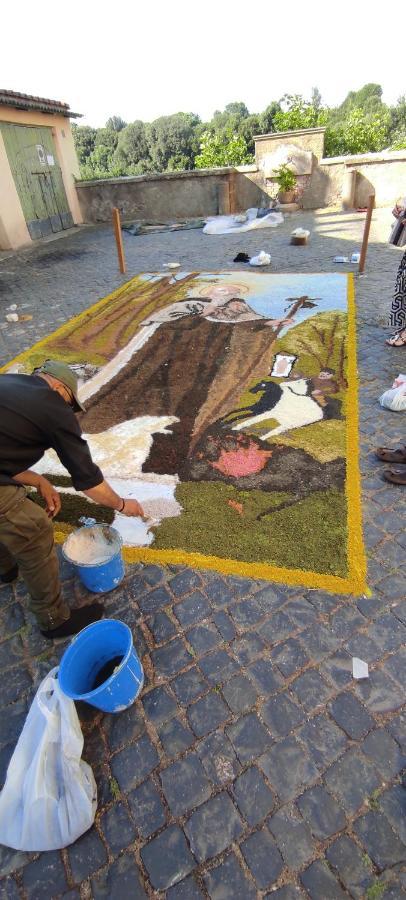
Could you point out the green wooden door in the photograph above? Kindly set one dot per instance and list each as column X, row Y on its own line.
column 38, row 178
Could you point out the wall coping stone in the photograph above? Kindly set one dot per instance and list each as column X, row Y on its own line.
column 365, row 158
column 279, row 134
column 161, row 176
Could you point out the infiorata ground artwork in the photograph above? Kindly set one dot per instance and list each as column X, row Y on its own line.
column 227, row 404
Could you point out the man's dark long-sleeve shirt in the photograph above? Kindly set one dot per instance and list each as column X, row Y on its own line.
column 34, row 418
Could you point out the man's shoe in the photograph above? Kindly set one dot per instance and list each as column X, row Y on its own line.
column 10, row 576
column 78, row 619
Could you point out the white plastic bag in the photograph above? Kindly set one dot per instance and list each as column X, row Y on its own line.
column 238, row 224
column 50, row 795
column 263, row 259
column 395, row 398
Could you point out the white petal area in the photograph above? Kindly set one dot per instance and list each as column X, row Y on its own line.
column 120, row 451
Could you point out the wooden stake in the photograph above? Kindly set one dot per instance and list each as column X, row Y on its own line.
column 119, row 240
column 364, row 248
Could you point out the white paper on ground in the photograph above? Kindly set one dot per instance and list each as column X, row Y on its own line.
column 359, row 668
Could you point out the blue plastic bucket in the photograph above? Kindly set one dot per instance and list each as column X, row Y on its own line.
column 94, row 648
column 97, row 574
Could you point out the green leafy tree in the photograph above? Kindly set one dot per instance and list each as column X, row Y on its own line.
column 299, row 113
column 84, row 138
column 358, row 134
column 108, row 138
column 132, row 152
column 250, row 126
column 268, row 117
column 225, row 149
column 115, row 123
column 173, row 141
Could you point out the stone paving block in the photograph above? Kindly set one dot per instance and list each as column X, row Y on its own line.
column 310, row 689
column 117, row 828
column 154, row 600
column 169, row 660
column 11, row 725
column 393, row 804
column 265, row 676
column 42, row 872
column 345, row 621
column 322, row 812
column 388, row 632
column 131, row 765
column 11, row 652
column 349, row 862
column 263, row 858
column 319, row 642
column 352, row 779
column 381, row 843
column 249, row 737
column 383, row 752
column 394, row 891
column 225, row 625
column 5, row 756
column 322, row 601
column 189, row 686
column 240, row 694
column 120, row 879
column 159, row 705
column 277, row 628
column 287, row 892
column 218, row 757
column 12, row 619
column 218, row 666
column 319, row 882
column 281, row 715
column 161, row 627
column 10, row 860
column 213, row 827
column 167, row 858
column 289, row 657
column 147, row 808
column 152, row 574
column 86, row 855
column 192, row 609
column 9, row 889
column 371, row 607
column 379, row 693
column 395, row 666
column 271, row 598
column 246, row 648
column 399, row 609
column 219, row 593
column 247, row 612
column 351, row 716
column 207, row 714
column 337, row 669
column 253, row 797
column 397, row 728
column 175, row 737
column 187, row 889
column 126, row 727
column 228, row 882
column 15, row 688
column 363, row 647
column 293, row 837
column 301, row 612
column 392, row 587
column 185, row 784
column 203, row 638
column 185, row 582
column 288, row 768
column 241, row 587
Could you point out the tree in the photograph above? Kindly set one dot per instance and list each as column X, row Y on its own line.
column 316, row 98
column 225, row 149
column 237, row 109
column 358, row 134
column 115, row 123
column 84, row 138
column 132, row 150
column 173, row 141
column 250, row 126
column 268, row 116
column 299, row 113
column 108, row 138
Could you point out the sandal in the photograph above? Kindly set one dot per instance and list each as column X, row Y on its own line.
column 395, row 476
column 388, row 454
column 398, row 339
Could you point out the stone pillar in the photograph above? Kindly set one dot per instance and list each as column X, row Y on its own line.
column 348, row 191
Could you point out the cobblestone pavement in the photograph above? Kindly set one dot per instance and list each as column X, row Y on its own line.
column 254, row 766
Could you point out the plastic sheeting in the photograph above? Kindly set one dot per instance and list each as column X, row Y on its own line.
column 238, row 224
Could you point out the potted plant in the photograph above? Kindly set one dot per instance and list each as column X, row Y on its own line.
column 286, row 181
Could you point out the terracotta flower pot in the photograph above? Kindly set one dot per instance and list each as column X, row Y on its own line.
column 286, row 196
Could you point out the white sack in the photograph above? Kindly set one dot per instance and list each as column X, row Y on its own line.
column 395, row 398
column 50, row 795
column 234, row 225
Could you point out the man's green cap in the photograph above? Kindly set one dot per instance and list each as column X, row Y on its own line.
column 63, row 373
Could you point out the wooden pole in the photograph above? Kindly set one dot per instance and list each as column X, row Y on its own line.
column 119, row 240
column 364, row 248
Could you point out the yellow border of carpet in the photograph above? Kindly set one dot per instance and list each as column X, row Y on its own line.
column 356, row 581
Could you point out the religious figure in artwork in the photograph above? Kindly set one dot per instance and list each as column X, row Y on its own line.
column 216, row 303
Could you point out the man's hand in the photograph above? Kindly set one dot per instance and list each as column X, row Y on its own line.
column 132, row 508
column 50, row 495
